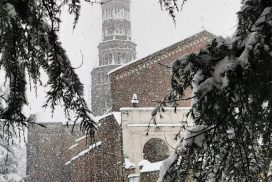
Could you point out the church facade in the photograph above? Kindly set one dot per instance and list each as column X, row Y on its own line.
column 150, row 79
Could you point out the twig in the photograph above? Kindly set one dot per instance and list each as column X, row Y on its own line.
column 82, row 60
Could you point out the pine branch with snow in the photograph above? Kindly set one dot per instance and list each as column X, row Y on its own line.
column 28, row 43
column 232, row 86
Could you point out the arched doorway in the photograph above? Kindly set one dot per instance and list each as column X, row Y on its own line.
column 155, row 150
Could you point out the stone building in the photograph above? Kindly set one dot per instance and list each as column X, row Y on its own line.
column 115, row 49
column 121, row 151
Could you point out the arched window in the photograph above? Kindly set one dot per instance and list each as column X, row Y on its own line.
column 119, row 58
column 124, row 59
column 155, row 150
column 129, row 57
column 108, row 59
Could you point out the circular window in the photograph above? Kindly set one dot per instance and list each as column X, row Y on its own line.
column 155, row 150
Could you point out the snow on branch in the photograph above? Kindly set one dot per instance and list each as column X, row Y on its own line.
column 196, row 135
column 232, row 105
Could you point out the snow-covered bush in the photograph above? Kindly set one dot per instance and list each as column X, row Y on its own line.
column 12, row 146
column 232, row 89
column 12, row 152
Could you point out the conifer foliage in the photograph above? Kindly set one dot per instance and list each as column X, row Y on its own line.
column 28, row 43
column 231, row 139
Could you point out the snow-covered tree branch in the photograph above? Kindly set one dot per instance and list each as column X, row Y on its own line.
column 232, row 88
column 28, row 43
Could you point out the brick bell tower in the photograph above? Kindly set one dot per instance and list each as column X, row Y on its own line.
column 115, row 50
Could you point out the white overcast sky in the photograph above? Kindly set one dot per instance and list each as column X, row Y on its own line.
column 152, row 30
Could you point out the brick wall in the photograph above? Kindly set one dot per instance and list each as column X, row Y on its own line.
column 50, row 148
column 103, row 163
column 46, row 152
column 148, row 78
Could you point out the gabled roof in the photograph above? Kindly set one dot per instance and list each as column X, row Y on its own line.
column 204, row 35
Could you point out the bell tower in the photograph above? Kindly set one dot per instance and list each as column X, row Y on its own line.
column 115, row 50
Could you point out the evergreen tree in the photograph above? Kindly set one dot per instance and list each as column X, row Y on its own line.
column 231, row 139
column 28, row 43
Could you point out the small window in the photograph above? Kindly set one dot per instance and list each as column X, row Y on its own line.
column 119, row 58
column 123, row 57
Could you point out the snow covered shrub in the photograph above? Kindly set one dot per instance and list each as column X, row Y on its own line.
column 12, row 146
column 12, row 153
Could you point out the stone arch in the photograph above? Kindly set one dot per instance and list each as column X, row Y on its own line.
column 155, row 149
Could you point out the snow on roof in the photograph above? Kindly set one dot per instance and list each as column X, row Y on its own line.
column 82, row 153
column 73, row 146
column 183, row 42
column 124, row 65
column 81, row 138
column 148, row 166
column 77, row 141
column 117, row 116
column 143, row 162
column 128, row 164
